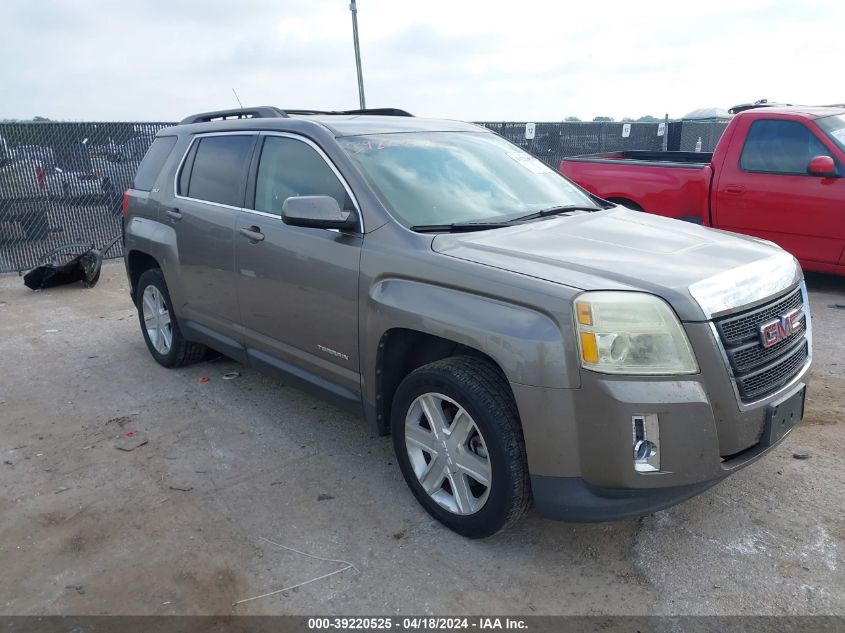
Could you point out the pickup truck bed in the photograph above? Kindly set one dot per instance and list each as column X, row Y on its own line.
column 672, row 184
column 645, row 157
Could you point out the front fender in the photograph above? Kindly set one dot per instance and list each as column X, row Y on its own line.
column 527, row 344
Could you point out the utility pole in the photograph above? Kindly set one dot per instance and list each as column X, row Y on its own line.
column 354, row 10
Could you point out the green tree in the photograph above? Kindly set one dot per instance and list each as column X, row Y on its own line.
column 648, row 119
column 572, row 119
column 601, row 119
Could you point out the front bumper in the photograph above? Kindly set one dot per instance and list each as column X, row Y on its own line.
column 577, row 499
column 579, row 441
column 573, row 499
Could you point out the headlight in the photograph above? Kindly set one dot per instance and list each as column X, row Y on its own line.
column 631, row 333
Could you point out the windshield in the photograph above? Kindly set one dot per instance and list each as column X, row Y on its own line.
column 432, row 178
column 834, row 126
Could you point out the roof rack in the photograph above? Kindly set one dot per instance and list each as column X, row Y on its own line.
column 258, row 112
column 271, row 112
column 370, row 111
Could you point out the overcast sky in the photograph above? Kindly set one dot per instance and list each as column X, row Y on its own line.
column 492, row 60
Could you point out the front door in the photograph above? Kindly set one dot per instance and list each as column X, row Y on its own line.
column 764, row 190
column 298, row 287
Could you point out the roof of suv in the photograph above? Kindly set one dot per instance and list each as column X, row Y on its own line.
column 352, row 123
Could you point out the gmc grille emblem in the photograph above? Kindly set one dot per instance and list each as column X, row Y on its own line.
column 776, row 330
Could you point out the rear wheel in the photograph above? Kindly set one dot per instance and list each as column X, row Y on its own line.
column 158, row 323
column 458, row 440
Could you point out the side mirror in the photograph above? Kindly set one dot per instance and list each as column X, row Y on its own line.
column 317, row 212
column 822, row 166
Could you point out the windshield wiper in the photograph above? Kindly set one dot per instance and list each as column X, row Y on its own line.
column 543, row 213
column 481, row 225
column 459, row 227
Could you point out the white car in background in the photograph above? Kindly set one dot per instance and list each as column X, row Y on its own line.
column 23, row 183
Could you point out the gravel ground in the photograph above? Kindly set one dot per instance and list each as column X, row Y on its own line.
column 235, row 471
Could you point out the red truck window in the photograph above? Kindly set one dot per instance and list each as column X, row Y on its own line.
column 780, row 147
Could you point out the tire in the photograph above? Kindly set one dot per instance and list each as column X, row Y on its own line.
column 177, row 351
column 462, row 386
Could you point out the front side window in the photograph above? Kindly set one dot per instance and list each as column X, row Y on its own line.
column 834, row 127
column 218, row 168
column 431, row 178
column 780, row 147
column 290, row 168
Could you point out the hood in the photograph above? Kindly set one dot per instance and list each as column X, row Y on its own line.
column 700, row 271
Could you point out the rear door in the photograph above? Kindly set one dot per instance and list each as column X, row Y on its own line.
column 298, row 287
column 209, row 195
column 763, row 189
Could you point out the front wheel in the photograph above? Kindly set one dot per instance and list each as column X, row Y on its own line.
column 459, row 444
column 158, row 323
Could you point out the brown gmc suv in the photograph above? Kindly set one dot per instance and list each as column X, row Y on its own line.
column 519, row 338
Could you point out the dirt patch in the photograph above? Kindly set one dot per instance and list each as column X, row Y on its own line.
column 210, row 591
column 52, row 519
column 122, row 420
column 81, row 542
column 825, row 400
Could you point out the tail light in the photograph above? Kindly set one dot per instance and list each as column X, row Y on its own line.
column 125, row 206
column 41, row 177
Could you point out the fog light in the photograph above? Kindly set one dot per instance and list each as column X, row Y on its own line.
column 644, row 449
column 646, row 443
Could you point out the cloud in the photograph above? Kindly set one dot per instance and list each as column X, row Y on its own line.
column 494, row 60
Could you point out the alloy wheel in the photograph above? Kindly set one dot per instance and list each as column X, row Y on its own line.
column 448, row 454
column 157, row 320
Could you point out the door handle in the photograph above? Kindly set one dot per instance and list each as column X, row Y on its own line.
column 252, row 233
column 174, row 214
column 734, row 190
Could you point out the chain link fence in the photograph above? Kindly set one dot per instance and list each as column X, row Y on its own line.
column 552, row 142
column 64, row 182
column 683, row 135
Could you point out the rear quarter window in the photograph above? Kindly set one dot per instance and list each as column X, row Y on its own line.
column 153, row 161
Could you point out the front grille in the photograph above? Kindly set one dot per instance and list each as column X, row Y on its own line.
column 740, row 327
column 759, row 371
column 750, row 355
column 774, row 376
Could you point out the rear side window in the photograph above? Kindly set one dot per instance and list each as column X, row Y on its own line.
column 150, row 167
column 781, row 147
column 218, row 168
column 291, row 168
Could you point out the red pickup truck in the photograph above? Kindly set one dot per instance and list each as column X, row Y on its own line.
column 777, row 173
